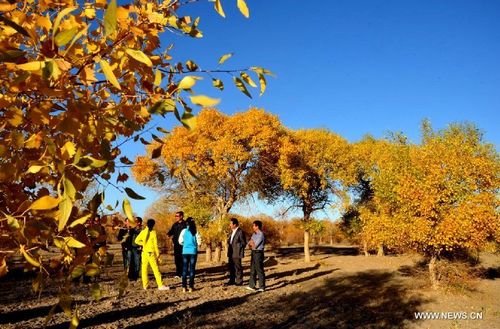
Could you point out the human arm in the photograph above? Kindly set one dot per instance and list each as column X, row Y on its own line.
column 181, row 237
column 155, row 244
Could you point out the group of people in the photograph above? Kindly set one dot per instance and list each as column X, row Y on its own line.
column 140, row 250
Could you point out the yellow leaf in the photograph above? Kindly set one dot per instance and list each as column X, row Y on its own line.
column 247, row 79
column 34, row 169
column 69, row 189
column 7, row 6
column 31, row 66
column 242, row 6
column 58, row 20
column 127, row 209
column 139, row 56
column 89, row 11
column 158, row 78
column 81, row 220
column 65, row 207
column 262, row 81
column 188, row 82
column 73, row 243
column 28, row 257
column 65, row 36
column 3, row 267
column 68, row 150
column 205, row 101
column 44, row 203
column 224, row 58
column 44, row 21
column 108, row 72
column 218, row 8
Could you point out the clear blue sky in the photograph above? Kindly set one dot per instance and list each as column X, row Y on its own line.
column 355, row 67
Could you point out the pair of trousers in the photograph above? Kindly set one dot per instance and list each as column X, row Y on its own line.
column 134, row 263
column 257, row 269
column 178, row 259
column 235, row 270
column 149, row 259
column 189, row 266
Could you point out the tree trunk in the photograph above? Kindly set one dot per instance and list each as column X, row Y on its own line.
column 331, row 240
column 380, row 251
column 217, row 254
column 307, row 253
column 365, row 249
column 208, row 253
column 433, row 273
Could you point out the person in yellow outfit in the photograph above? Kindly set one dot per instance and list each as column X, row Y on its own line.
column 150, row 254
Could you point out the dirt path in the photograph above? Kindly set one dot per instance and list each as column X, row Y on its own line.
column 337, row 290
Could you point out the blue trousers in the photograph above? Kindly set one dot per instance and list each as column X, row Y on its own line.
column 188, row 264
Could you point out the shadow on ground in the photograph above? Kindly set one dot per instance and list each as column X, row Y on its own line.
column 298, row 252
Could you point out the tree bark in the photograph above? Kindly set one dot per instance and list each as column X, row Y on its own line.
column 307, row 253
column 380, row 251
column 208, row 254
column 217, row 254
column 365, row 249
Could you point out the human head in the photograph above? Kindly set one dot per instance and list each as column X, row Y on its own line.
column 179, row 215
column 138, row 221
column 257, row 225
column 191, row 225
column 150, row 223
column 233, row 223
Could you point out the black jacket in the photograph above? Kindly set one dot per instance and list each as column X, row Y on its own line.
column 237, row 248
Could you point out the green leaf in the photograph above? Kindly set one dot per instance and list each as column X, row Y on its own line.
column 65, row 207
column 131, row 193
column 139, row 56
column 163, row 107
column 65, row 36
column 58, row 20
column 241, row 86
column 247, row 79
column 95, row 290
column 78, row 271
column 224, row 58
column 242, row 6
column 218, row 8
column 188, row 120
column 218, row 84
column 204, row 101
column 108, row 72
column 110, row 18
column 44, row 203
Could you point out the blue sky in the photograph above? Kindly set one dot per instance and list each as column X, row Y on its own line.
column 354, row 67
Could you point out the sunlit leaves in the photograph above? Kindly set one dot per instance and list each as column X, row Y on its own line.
column 139, row 56
column 224, row 58
column 204, row 101
column 32, row 66
column 188, row 82
column 28, row 257
column 217, row 83
column 63, row 37
column 242, row 6
column 162, row 107
column 44, row 203
column 110, row 21
column 59, row 18
column 65, row 207
column 247, row 79
column 73, row 243
column 127, row 209
column 218, row 8
column 108, row 72
column 241, row 86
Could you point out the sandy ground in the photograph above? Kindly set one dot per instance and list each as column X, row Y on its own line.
column 338, row 289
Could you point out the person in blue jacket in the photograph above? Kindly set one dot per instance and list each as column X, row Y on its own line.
column 189, row 239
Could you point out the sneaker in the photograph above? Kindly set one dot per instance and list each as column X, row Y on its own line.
column 228, row 284
column 177, row 277
column 250, row 288
column 164, row 288
column 183, row 289
column 190, row 289
column 145, row 288
column 261, row 289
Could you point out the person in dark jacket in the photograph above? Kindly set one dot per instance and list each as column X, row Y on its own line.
column 235, row 252
column 174, row 233
column 130, row 250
